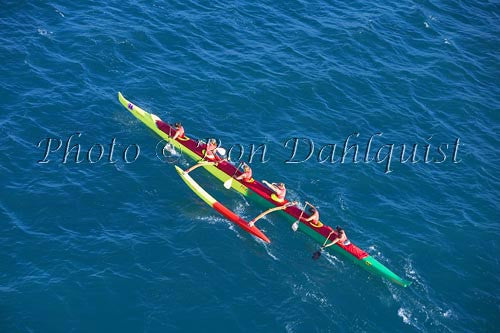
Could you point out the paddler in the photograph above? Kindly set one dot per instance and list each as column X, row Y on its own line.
column 246, row 176
column 341, row 238
column 279, row 191
column 179, row 131
column 211, row 150
column 314, row 218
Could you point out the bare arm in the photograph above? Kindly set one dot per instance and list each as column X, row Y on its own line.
column 314, row 216
column 240, row 177
column 335, row 241
column 309, row 219
column 271, row 186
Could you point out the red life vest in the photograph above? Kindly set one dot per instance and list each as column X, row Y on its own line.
column 247, row 175
column 210, row 152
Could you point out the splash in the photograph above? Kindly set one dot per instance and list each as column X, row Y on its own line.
column 43, row 32
column 405, row 315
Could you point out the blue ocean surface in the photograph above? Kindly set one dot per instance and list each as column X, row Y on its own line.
column 123, row 245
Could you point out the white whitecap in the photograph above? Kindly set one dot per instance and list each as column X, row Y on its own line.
column 43, row 32
column 405, row 315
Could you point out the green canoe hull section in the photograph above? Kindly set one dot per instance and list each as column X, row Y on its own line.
column 368, row 263
column 374, row 266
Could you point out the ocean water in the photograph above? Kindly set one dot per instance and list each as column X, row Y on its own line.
column 127, row 247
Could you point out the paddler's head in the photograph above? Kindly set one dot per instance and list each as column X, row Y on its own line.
column 312, row 210
column 246, row 168
column 177, row 125
column 281, row 185
column 339, row 230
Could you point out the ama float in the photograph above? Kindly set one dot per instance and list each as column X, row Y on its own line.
column 255, row 190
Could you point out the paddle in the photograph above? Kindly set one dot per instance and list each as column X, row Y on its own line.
column 229, row 182
column 170, row 148
column 221, row 151
column 267, row 183
column 317, row 254
column 295, row 225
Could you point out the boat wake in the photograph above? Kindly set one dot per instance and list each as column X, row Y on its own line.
column 411, row 273
column 310, row 293
column 406, row 315
column 424, row 310
column 268, row 250
column 332, row 259
column 213, row 220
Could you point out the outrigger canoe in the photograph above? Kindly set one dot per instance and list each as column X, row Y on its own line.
column 259, row 192
column 223, row 210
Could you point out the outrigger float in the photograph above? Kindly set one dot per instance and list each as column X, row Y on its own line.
column 253, row 189
column 223, row 210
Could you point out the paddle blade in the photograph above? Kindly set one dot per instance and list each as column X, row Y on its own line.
column 295, row 226
column 228, row 183
column 316, row 255
column 221, row 151
column 168, row 147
